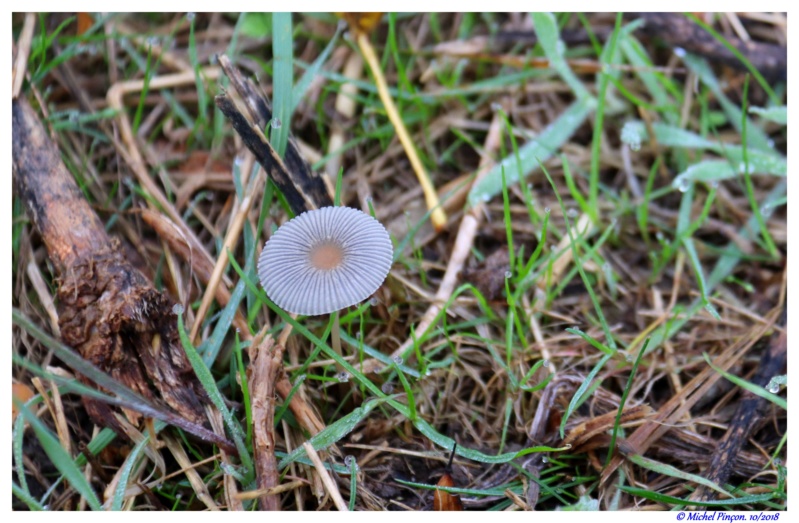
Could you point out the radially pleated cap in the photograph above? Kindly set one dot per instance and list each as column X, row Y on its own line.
column 324, row 260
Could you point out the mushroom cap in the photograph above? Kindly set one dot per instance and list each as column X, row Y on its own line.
column 324, row 260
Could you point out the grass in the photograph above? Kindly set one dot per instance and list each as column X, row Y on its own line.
column 645, row 230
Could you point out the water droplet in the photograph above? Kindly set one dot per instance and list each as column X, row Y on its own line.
column 398, row 360
column 373, row 301
column 238, row 160
column 238, row 330
column 153, row 41
column 715, row 184
column 350, row 462
column 428, row 372
column 387, row 387
column 177, row 309
column 631, row 135
column 508, row 274
column 74, row 116
column 545, row 364
column 547, row 210
column 529, row 186
column 572, row 213
column 682, row 184
column 544, row 459
column 190, row 16
column 659, row 236
column 276, row 123
column 766, row 209
column 343, row 377
column 679, row 51
column 368, row 199
column 358, row 335
column 774, row 384
column 486, row 197
column 496, row 107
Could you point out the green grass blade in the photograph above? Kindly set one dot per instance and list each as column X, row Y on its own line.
column 59, row 457
column 448, row 443
column 623, row 401
column 671, row 500
column 26, row 498
column 333, row 432
column 593, row 186
column 734, row 50
column 282, row 81
column 209, row 384
column 546, row 29
column 777, row 114
column 580, row 395
column 757, row 138
column 539, row 149
column 302, row 85
column 757, row 390
column 750, row 190
column 127, row 469
column 668, row 470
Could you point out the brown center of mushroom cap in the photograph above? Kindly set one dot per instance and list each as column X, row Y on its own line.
column 326, row 256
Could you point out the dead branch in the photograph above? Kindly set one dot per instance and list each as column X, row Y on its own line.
column 107, row 309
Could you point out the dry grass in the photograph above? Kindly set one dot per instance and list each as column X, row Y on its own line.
column 550, row 356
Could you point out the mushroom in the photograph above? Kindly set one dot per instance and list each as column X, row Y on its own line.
column 325, row 260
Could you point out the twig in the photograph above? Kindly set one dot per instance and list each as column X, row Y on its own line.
column 331, row 487
column 266, row 360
